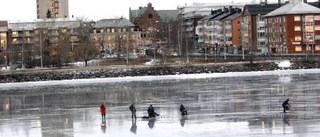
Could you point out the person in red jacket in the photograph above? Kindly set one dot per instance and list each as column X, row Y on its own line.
column 103, row 111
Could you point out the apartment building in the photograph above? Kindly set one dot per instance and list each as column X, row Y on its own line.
column 57, row 8
column 231, row 31
column 28, row 40
column 3, row 36
column 188, row 18
column 293, row 28
column 116, row 36
column 253, row 26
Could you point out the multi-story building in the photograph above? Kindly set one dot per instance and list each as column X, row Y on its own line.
column 158, row 27
column 253, row 26
column 188, row 17
column 204, row 30
column 28, row 40
column 3, row 43
column 220, row 30
column 232, row 33
column 293, row 28
column 116, row 36
column 56, row 8
column 3, row 36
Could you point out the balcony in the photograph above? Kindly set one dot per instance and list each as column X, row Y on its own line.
column 189, row 29
column 188, row 23
column 228, row 27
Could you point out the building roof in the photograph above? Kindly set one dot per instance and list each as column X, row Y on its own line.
column 121, row 22
column 256, row 9
column 3, row 23
column 138, row 12
column 165, row 15
column 168, row 15
column 3, row 26
column 233, row 16
column 52, row 23
column 294, row 7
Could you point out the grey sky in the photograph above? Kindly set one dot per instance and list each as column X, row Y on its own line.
column 96, row 9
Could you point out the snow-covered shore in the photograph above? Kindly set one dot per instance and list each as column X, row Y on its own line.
column 127, row 71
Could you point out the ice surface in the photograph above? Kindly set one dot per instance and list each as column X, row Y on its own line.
column 238, row 104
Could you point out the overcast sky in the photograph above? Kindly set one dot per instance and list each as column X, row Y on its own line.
column 95, row 9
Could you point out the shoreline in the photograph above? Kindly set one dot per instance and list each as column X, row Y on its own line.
column 146, row 70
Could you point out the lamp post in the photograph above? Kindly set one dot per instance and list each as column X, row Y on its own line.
column 243, row 37
column 127, row 49
column 41, row 52
column 187, row 50
column 22, row 51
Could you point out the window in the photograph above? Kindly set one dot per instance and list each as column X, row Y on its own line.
column 150, row 16
column 309, row 28
column 317, row 47
column 297, row 38
column 297, row 18
column 297, row 28
column 15, row 33
column 298, row 48
column 308, row 18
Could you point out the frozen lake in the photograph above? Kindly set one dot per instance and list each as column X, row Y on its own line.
column 231, row 104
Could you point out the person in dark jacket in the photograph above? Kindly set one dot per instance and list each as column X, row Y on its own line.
column 183, row 110
column 133, row 111
column 151, row 112
column 286, row 105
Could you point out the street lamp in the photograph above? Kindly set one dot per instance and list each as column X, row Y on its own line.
column 127, row 58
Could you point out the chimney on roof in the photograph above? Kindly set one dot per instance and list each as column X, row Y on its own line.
column 214, row 12
column 279, row 3
column 225, row 10
column 305, row 1
column 263, row 3
column 318, row 3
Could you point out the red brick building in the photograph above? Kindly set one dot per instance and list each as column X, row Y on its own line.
column 293, row 28
column 156, row 26
column 253, row 27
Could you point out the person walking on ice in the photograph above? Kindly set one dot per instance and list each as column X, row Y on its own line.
column 133, row 111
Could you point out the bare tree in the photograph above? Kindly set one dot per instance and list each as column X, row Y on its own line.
column 86, row 50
